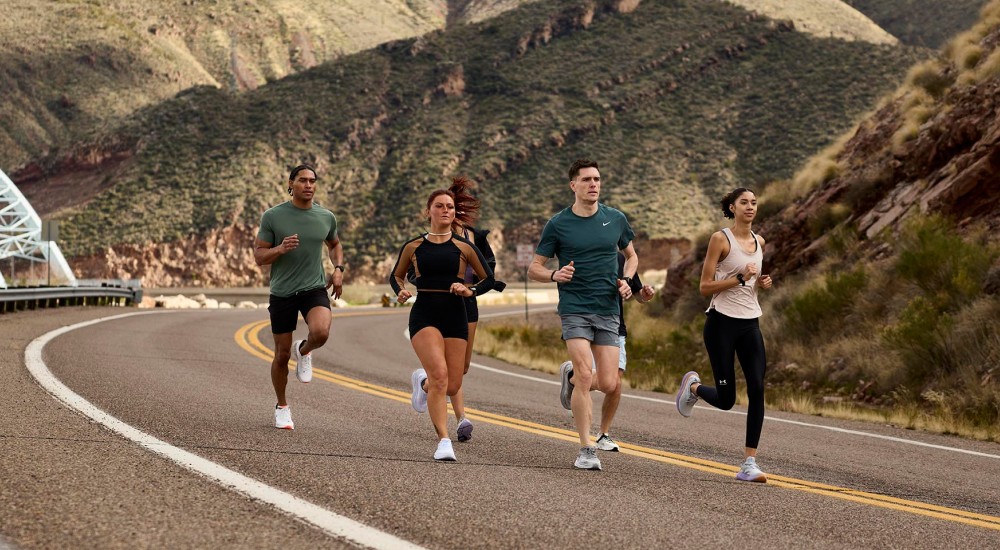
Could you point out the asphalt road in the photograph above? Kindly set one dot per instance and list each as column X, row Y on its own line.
column 358, row 466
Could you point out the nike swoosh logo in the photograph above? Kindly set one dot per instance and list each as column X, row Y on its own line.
column 606, row 223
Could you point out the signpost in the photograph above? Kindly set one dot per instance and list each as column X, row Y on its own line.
column 525, row 253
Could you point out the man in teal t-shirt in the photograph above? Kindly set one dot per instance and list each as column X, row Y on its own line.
column 290, row 240
column 586, row 238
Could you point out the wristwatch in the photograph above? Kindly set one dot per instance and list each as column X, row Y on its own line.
column 340, row 267
column 739, row 277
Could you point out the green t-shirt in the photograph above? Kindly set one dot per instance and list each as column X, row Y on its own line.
column 592, row 244
column 302, row 268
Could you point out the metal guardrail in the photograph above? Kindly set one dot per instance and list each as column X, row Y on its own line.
column 19, row 299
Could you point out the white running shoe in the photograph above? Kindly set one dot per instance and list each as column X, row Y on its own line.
column 750, row 472
column 685, row 397
column 605, row 443
column 587, row 460
column 419, row 396
column 303, row 363
column 283, row 418
column 566, row 387
column 444, row 451
column 464, row 430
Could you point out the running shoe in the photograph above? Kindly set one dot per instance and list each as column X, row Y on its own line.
column 464, row 430
column 588, row 459
column 303, row 363
column 419, row 396
column 566, row 389
column 283, row 418
column 444, row 451
column 605, row 443
column 750, row 472
column 685, row 397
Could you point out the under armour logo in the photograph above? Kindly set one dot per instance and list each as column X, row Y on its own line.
column 722, row 382
column 606, row 223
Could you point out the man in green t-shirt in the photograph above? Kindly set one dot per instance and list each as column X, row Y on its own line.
column 290, row 240
column 586, row 238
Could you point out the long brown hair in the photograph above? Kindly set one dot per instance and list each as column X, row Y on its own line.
column 466, row 205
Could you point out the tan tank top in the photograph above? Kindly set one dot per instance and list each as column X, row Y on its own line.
column 740, row 301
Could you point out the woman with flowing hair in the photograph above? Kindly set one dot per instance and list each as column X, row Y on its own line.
column 438, row 325
column 731, row 276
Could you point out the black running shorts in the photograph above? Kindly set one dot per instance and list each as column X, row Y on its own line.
column 285, row 310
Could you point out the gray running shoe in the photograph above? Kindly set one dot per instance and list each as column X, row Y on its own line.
column 445, row 452
column 605, row 443
column 303, row 363
column 419, row 397
column 588, row 459
column 464, row 430
column 750, row 472
column 566, row 390
column 685, row 397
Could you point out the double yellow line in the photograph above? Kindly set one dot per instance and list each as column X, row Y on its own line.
column 248, row 338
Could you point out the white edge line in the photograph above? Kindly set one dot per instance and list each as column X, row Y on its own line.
column 326, row 520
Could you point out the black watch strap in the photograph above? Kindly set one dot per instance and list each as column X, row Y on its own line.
column 340, row 267
column 739, row 277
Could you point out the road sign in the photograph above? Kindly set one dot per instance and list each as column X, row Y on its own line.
column 525, row 253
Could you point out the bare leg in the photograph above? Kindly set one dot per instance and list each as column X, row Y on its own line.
column 279, row 365
column 457, row 401
column 610, row 405
column 318, row 319
column 443, row 361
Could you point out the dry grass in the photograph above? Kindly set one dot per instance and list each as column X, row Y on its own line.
column 822, row 18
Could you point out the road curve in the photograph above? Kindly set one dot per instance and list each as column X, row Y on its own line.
column 198, row 382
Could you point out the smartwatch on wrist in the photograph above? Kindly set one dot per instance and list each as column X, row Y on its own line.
column 340, row 267
column 739, row 277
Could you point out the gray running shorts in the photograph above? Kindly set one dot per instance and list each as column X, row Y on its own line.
column 602, row 330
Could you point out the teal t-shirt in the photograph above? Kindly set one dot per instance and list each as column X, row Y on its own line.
column 592, row 244
column 302, row 268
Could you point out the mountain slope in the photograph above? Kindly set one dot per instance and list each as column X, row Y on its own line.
column 887, row 270
column 927, row 23
column 677, row 100
column 72, row 68
column 823, row 18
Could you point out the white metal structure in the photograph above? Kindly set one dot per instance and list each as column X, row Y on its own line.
column 21, row 236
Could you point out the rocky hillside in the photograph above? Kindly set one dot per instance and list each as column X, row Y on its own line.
column 927, row 23
column 887, row 260
column 75, row 68
column 678, row 100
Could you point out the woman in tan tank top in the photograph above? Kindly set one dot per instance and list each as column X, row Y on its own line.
column 731, row 275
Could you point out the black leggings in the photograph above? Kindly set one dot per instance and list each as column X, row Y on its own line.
column 724, row 338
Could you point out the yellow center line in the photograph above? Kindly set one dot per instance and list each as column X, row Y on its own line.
column 248, row 338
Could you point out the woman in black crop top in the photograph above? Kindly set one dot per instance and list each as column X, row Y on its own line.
column 438, row 323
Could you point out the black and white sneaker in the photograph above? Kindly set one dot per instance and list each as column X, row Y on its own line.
column 605, row 443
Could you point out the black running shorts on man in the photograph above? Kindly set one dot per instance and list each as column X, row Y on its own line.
column 285, row 310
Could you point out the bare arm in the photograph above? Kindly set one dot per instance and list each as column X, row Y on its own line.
column 265, row 253
column 718, row 248
column 336, row 279
column 538, row 272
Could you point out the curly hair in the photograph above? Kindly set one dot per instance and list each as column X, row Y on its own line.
column 730, row 199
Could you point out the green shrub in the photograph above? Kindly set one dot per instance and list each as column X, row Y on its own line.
column 822, row 309
column 919, row 336
column 941, row 263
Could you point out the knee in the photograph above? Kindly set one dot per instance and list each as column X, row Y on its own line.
column 583, row 378
column 282, row 357
column 319, row 336
column 727, row 400
column 438, row 385
column 453, row 388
